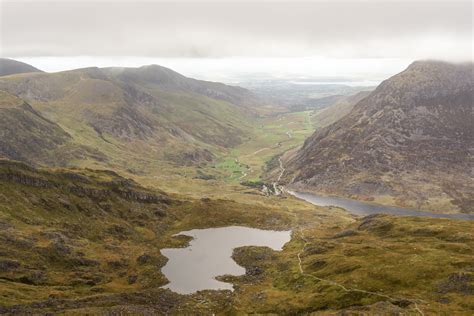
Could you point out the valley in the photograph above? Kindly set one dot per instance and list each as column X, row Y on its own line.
column 102, row 167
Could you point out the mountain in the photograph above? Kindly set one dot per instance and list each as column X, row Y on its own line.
column 26, row 134
column 151, row 111
column 408, row 143
column 173, row 81
column 10, row 67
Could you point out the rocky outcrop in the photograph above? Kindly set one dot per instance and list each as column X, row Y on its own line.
column 78, row 184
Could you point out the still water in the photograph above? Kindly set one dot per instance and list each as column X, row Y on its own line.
column 360, row 208
column 209, row 254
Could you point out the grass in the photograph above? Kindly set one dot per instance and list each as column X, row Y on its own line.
column 96, row 250
column 383, row 255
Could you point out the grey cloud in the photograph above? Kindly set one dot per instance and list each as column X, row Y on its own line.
column 211, row 29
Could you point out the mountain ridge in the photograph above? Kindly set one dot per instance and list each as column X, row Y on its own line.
column 405, row 142
column 11, row 67
column 150, row 108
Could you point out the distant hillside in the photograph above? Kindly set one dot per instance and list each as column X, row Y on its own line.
column 170, row 80
column 298, row 95
column 407, row 143
column 10, row 67
column 151, row 111
column 341, row 107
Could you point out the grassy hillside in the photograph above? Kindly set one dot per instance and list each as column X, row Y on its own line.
column 149, row 111
column 70, row 234
column 85, row 241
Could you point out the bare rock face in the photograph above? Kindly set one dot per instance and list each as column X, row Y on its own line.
column 411, row 139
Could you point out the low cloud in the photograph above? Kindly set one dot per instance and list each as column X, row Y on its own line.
column 336, row 29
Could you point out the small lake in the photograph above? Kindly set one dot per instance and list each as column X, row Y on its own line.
column 208, row 255
column 360, row 208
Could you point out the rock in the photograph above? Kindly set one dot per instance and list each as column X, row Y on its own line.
column 375, row 223
column 84, row 262
column 458, row 283
column 119, row 231
column 8, row 265
column 118, row 264
column 34, row 278
column 5, row 225
column 253, row 271
column 144, row 259
column 316, row 249
column 27, row 180
column 318, row 264
column 159, row 212
column 345, row 233
column 132, row 279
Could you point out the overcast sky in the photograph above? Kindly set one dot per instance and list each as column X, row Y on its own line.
column 53, row 34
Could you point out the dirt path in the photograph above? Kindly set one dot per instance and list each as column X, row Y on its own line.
column 259, row 151
column 299, row 228
column 344, row 288
column 276, row 187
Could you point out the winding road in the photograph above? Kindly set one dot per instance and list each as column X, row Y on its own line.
column 276, row 187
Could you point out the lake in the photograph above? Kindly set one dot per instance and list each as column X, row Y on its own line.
column 361, row 208
column 208, row 255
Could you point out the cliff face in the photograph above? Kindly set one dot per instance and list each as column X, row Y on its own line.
column 410, row 140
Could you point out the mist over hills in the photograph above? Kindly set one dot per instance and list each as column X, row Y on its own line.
column 411, row 140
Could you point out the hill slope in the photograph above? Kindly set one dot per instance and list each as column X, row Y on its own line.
column 10, row 67
column 337, row 110
column 151, row 111
column 409, row 142
column 26, row 135
column 82, row 241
